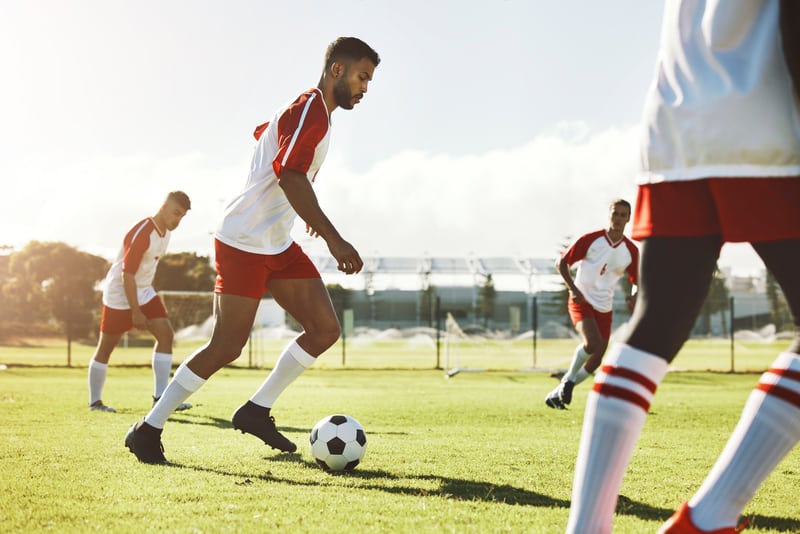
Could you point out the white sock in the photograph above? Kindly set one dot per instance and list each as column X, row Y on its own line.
column 582, row 375
column 767, row 430
column 183, row 384
column 579, row 357
column 162, row 365
column 291, row 364
column 615, row 413
column 97, row 379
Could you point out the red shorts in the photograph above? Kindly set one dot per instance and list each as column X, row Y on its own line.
column 579, row 312
column 116, row 321
column 739, row 209
column 247, row 274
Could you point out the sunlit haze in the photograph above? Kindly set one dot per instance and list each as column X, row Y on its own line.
column 490, row 128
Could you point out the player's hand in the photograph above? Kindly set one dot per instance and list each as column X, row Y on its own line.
column 577, row 297
column 139, row 319
column 346, row 256
column 310, row 231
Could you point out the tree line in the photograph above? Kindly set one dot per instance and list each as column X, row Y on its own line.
column 51, row 288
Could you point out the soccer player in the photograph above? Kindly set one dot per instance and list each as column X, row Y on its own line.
column 255, row 253
column 129, row 299
column 603, row 257
column 720, row 163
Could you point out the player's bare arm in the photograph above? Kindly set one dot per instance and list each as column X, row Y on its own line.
column 301, row 196
column 138, row 317
column 563, row 270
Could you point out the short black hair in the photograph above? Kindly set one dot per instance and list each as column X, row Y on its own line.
column 180, row 198
column 349, row 49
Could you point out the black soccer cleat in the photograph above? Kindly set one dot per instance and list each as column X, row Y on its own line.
column 252, row 419
column 566, row 391
column 555, row 403
column 98, row 406
column 144, row 441
column 553, row 400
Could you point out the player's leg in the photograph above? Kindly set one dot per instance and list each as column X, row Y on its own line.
column 162, row 330
column 587, row 355
column 620, row 398
column 769, row 426
column 241, row 279
column 113, row 324
column 98, row 370
column 577, row 314
column 234, row 316
column 591, row 341
column 594, row 346
column 158, row 324
column 307, row 300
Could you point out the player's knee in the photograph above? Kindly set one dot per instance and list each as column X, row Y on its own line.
column 222, row 353
column 332, row 334
column 166, row 339
column 594, row 348
column 327, row 334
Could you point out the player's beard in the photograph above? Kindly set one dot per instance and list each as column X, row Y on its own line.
column 342, row 94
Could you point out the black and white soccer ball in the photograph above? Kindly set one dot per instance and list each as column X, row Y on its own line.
column 338, row 442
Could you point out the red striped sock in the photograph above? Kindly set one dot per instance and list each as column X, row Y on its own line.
column 615, row 413
column 768, row 429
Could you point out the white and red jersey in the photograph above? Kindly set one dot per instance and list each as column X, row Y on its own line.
column 602, row 264
column 141, row 249
column 722, row 102
column 260, row 218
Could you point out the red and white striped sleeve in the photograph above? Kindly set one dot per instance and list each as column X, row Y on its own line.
column 136, row 243
column 301, row 127
column 577, row 251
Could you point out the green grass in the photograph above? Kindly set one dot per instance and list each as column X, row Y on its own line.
column 497, row 355
column 475, row 453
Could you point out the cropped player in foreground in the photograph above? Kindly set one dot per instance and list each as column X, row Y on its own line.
column 720, row 163
column 255, row 254
column 129, row 299
column 603, row 257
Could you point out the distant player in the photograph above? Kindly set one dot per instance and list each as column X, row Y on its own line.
column 129, row 299
column 603, row 257
column 255, row 254
column 720, row 163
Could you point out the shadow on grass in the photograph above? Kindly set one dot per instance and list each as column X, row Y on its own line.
column 188, row 418
column 448, row 488
column 464, row 490
column 626, row 506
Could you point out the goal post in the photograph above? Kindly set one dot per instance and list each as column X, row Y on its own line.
column 453, row 339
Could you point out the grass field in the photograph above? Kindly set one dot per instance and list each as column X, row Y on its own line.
column 475, row 453
column 487, row 354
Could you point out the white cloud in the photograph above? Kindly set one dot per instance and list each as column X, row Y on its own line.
column 523, row 201
column 520, row 201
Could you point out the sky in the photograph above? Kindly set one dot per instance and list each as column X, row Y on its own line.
column 491, row 128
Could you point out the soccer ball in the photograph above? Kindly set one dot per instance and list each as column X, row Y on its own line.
column 338, row 442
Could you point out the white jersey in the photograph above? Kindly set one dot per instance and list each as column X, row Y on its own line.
column 602, row 264
column 722, row 102
column 141, row 249
column 260, row 218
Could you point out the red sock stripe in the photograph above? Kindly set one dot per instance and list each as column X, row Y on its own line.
column 782, row 393
column 630, row 375
column 788, row 373
column 607, row 390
